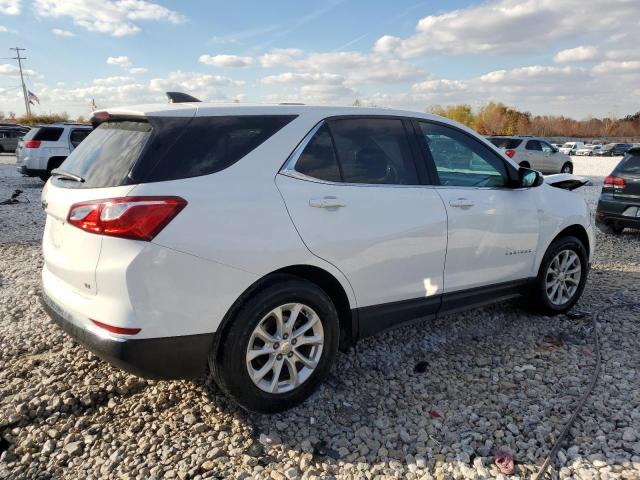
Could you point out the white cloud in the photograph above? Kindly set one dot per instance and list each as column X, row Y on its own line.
column 10, row 70
column 3, row 29
column 116, row 80
column 200, row 85
column 280, row 56
column 113, row 17
column 613, row 67
column 578, row 54
column 624, row 54
column 303, row 78
column 10, row 7
column 355, row 67
column 226, row 60
column 138, row 70
column 497, row 26
column 122, row 61
column 62, row 33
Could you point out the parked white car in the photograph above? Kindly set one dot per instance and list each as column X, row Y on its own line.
column 570, row 148
column 587, row 150
column 44, row 148
column 250, row 242
column 534, row 152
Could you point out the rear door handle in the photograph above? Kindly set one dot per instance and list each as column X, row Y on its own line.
column 461, row 203
column 327, row 202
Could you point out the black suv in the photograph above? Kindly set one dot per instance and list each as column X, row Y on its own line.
column 612, row 150
column 619, row 204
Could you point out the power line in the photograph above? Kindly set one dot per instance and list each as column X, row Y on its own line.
column 24, row 88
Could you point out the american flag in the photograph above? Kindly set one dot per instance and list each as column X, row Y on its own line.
column 32, row 97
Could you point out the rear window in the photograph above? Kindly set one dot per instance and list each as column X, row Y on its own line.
column 630, row 163
column 105, row 157
column 506, row 143
column 48, row 134
column 165, row 148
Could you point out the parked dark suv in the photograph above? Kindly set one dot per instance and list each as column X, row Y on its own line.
column 619, row 204
column 612, row 150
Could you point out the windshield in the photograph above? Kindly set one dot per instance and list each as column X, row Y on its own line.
column 568, row 145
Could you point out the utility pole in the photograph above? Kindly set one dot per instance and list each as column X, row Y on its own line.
column 24, row 88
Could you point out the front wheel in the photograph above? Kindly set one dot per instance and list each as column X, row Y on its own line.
column 567, row 168
column 562, row 276
column 279, row 347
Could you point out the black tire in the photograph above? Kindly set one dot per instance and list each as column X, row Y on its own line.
column 567, row 168
column 525, row 164
column 53, row 163
column 538, row 297
column 228, row 364
column 613, row 228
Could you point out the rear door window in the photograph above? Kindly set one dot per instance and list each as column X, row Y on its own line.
column 78, row 135
column 374, row 151
column 48, row 134
column 533, row 145
column 318, row 159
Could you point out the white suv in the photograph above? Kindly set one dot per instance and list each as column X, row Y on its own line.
column 251, row 242
column 532, row 152
column 44, row 148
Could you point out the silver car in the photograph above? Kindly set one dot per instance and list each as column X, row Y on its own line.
column 9, row 139
column 533, row 152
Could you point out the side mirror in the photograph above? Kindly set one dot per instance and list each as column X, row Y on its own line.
column 529, row 178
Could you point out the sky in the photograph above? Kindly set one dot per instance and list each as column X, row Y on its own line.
column 577, row 58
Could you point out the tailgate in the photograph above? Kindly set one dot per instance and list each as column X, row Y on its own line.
column 71, row 254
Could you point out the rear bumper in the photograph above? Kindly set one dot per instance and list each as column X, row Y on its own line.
column 154, row 358
column 30, row 172
column 610, row 211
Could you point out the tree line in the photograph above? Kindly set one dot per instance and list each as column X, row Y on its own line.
column 500, row 119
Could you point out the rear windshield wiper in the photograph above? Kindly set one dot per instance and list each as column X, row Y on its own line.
column 66, row 175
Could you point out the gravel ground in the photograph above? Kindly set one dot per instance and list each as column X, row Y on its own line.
column 432, row 401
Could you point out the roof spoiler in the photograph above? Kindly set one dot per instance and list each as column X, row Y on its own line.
column 179, row 97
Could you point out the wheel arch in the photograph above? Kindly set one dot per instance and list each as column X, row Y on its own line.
column 322, row 278
column 53, row 160
column 578, row 231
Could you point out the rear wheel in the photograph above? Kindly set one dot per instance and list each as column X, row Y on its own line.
column 53, row 163
column 562, row 276
column 567, row 168
column 613, row 228
column 279, row 347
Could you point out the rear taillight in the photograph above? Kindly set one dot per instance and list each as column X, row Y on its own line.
column 136, row 218
column 32, row 144
column 615, row 182
column 114, row 329
column 510, row 152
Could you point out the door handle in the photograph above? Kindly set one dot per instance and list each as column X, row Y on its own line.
column 461, row 203
column 327, row 202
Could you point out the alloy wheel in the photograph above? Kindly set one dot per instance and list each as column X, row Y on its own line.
column 563, row 277
column 285, row 348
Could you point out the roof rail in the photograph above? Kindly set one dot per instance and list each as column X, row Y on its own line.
column 290, row 103
column 180, row 97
